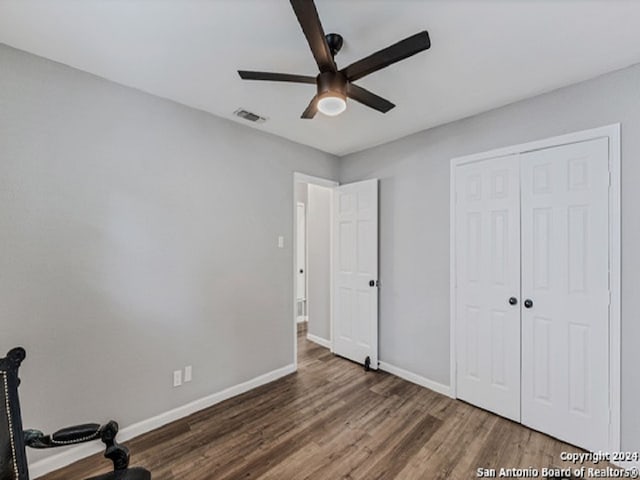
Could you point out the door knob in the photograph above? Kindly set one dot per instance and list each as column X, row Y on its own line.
column 528, row 303
column 513, row 301
column 372, row 283
column 301, row 271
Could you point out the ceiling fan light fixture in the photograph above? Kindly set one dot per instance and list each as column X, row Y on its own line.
column 332, row 104
column 332, row 93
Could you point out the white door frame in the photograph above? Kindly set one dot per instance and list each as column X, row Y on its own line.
column 612, row 132
column 323, row 182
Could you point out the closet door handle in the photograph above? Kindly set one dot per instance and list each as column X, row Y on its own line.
column 513, row 301
column 528, row 303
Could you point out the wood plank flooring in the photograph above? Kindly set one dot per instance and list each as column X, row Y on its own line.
column 331, row 420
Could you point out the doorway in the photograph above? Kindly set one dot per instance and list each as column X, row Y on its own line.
column 335, row 292
column 313, row 199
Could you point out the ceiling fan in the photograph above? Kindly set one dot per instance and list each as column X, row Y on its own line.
column 333, row 85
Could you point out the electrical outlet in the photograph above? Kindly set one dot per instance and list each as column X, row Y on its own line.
column 188, row 370
column 177, row 378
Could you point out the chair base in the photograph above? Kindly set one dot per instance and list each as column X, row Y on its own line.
column 135, row 473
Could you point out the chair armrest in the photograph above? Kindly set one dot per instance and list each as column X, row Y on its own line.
column 66, row 436
column 118, row 454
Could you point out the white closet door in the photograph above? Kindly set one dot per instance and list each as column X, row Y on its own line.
column 487, row 277
column 565, row 332
column 355, row 272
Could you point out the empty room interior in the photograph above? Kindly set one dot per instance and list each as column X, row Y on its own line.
column 319, row 239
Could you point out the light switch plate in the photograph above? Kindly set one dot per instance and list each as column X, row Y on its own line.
column 188, row 370
column 280, row 241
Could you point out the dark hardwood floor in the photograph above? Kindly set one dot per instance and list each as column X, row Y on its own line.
column 331, row 420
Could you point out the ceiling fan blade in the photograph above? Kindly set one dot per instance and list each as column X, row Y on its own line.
column 276, row 77
column 369, row 99
column 312, row 109
column 309, row 20
column 387, row 56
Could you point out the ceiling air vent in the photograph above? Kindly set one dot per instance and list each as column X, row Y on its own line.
column 250, row 116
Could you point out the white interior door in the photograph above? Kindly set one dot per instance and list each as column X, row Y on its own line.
column 488, row 285
column 355, row 272
column 301, row 259
column 565, row 330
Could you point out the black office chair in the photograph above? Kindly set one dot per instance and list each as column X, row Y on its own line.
column 13, row 440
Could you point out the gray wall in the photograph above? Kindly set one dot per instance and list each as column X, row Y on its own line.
column 319, row 258
column 137, row 236
column 414, row 219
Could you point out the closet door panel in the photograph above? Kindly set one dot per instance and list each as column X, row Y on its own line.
column 487, row 276
column 565, row 332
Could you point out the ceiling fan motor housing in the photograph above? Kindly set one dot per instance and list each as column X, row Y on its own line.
column 332, row 84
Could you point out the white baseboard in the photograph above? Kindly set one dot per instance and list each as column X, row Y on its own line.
column 415, row 378
column 323, row 342
column 302, row 319
column 67, row 457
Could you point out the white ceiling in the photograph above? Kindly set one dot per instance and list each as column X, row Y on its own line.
column 485, row 53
